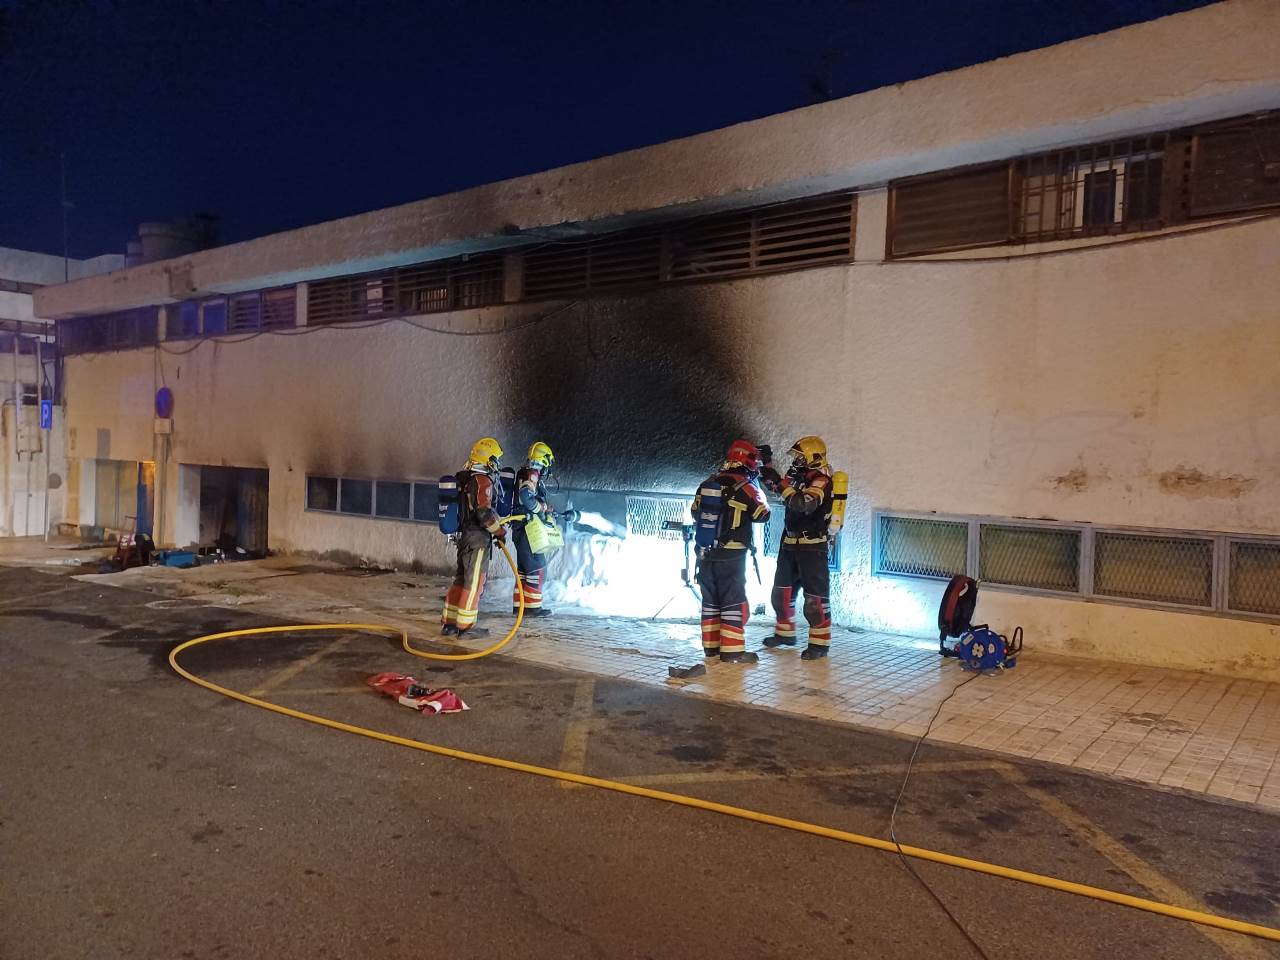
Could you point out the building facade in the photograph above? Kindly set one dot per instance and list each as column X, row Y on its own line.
column 1030, row 305
column 32, row 466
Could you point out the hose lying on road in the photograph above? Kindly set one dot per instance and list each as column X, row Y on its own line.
column 475, row 655
column 817, row 830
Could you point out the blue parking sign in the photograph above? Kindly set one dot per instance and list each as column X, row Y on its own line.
column 46, row 414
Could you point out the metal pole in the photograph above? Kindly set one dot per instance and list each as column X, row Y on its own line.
column 47, row 439
column 17, row 397
column 66, row 256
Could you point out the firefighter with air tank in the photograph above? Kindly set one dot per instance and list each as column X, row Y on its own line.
column 534, row 508
column 475, row 524
column 814, row 497
column 724, row 509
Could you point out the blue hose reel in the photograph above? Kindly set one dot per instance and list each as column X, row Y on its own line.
column 981, row 648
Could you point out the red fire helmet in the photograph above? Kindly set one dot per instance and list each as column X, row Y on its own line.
column 744, row 452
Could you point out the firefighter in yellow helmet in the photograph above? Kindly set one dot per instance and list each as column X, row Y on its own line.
column 479, row 490
column 807, row 492
column 531, row 501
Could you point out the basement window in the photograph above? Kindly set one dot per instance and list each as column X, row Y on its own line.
column 355, row 496
column 1253, row 577
column 1157, row 569
column 1040, row 558
column 921, row 547
column 425, row 503
column 647, row 515
column 322, row 493
column 391, row 499
column 1197, row 571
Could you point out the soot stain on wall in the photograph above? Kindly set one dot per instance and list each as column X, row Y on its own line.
column 642, row 393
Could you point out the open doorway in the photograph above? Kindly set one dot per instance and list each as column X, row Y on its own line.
column 233, row 510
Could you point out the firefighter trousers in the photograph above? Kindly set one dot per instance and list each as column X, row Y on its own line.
column 723, row 581
column 462, row 603
column 532, row 568
column 803, row 568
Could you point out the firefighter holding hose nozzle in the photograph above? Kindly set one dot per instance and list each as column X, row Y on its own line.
column 533, row 503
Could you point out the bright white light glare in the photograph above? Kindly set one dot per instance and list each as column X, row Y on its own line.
column 896, row 606
column 633, row 576
column 600, row 524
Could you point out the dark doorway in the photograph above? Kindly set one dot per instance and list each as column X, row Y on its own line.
column 233, row 509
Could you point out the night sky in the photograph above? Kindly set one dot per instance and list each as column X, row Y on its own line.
column 273, row 115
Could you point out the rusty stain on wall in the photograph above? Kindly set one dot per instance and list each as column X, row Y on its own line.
column 1192, row 482
column 1076, row 480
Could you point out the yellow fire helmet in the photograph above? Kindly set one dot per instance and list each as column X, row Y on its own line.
column 486, row 452
column 541, row 454
column 811, row 451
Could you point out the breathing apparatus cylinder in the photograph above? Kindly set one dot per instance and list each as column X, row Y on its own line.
column 710, row 505
column 448, row 510
column 839, row 500
column 504, row 500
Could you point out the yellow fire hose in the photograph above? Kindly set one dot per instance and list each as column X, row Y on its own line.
column 742, row 813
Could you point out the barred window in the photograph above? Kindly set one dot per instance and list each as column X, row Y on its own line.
column 1097, row 189
column 1253, row 577
column 1210, row 572
column 1041, row 558
column 1154, row 568
column 919, row 547
column 647, row 515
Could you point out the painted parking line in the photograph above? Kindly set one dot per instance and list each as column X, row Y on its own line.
column 295, row 668
column 355, row 688
column 1234, row 945
column 573, row 756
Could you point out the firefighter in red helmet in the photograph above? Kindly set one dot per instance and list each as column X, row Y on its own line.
column 479, row 526
column 808, row 493
column 722, row 573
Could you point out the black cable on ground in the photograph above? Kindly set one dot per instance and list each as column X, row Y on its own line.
column 893, row 817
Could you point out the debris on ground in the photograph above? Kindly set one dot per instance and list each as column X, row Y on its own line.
column 687, row 673
column 411, row 692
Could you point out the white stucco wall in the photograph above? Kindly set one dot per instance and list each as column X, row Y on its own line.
column 1131, row 385
column 27, row 266
column 1208, row 63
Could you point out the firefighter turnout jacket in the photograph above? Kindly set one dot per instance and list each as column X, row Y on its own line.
column 742, row 504
column 808, row 498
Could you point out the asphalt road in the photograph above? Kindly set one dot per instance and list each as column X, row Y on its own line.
column 141, row 816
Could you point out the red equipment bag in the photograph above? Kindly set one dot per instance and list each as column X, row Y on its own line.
column 955, row 614
column 408, row 692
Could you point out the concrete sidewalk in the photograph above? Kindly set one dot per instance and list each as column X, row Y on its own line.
column 1190, row 731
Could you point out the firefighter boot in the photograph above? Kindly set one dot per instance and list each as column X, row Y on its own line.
column 813, row 652
column 742, row 656
column 774, row 640
column 532, row 612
